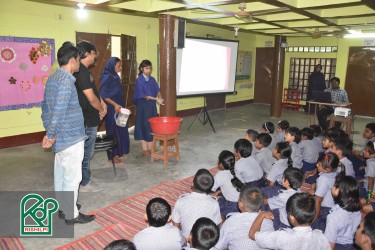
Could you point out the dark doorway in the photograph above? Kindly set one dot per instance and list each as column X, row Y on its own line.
column 263, row 75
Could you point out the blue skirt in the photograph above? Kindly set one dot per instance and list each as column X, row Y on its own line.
column 259, row 183
column 227, row 207
column 321, row 221
column 145, row 110
column 345, row 247
column 306, row 166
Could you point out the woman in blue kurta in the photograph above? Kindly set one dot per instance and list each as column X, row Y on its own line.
column 146, row 95
column 112, row 93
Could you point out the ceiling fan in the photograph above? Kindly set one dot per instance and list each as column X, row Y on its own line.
column 242, row 14
column 316, row 34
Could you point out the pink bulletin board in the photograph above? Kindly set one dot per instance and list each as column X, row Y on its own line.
column 24, row 69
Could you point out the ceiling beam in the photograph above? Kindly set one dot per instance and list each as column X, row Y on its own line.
column 369, row 3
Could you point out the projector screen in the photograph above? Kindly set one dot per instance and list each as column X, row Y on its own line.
column 206, row 66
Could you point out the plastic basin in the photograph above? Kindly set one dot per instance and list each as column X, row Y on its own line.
column 165, row 125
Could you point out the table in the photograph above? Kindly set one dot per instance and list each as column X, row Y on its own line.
column 165, row 154
column 343, row 105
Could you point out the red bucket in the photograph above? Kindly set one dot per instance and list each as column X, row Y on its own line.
column 165, row 125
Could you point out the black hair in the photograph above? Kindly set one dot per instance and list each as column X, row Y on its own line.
column 369, row 227
column 264, row 139
column 120, row 245
column 348, row 197
column 318, row 65
column 67, row 43
column 253, row 134
column 317, row 129
column 344, row 144
column 371, row 126
column 302, row 207
column 308, row 132
column 269, row 126
column 285, row 150
column 144, row 63
column 335, row 79
column 329, row 160
column 116, row 60
column 227, row 159
column 203, row 181
column 252, row 198
column 283, row 124
column 294, row 131
column 85, row 47
column 370, row 147
column 244, row 147
column 204, row 234
column 158, row 211
column 294, row 176
column 65, row 53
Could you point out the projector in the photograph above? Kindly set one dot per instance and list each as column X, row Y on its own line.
column 342, row 111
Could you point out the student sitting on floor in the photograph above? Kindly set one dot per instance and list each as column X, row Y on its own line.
column 342, row 147
column 327, row 167
column 234, row 233
column 269, row 128
column 282, row 153
column 264, row 155
column 310, row 154
column 293, row 137
column 281, row 127
column 247, row 168
column 189, row 207
column 160, row 234
column 345, row 216
column 251, row 135
column 291, row 182
column 365, row 235
column 317, row 137
column 369, row 184
column 300, row 209
column 204, row 234
column 120, row 245
column 229, row 184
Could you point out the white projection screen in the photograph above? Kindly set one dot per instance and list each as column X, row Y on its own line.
column 206, row 66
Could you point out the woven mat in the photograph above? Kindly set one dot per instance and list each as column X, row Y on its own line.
column 11, row 243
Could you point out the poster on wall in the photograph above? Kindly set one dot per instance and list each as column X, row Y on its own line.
column 24, row 69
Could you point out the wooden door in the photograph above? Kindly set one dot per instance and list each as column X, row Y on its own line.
column 263, row 75
column 360, row 80
column 102, row 43
column 129, row 73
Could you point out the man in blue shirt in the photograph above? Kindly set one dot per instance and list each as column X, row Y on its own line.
column 65, row 133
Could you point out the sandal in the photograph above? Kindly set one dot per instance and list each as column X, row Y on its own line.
column 146, row 152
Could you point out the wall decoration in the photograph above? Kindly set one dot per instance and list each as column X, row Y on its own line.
column 24, row 68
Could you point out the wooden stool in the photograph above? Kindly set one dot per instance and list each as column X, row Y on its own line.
column 345, row 121
column 164, row 154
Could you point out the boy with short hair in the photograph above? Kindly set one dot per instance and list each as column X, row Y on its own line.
column 264, row 155
column 235, row 230
column 204, row 234
column 300, row 209
column 189, row 207
column 160, row 234
column 342, row 148
column 251, row 135
column 269, row 128
column 365, row 235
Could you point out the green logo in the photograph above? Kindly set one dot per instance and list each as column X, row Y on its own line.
column 39, row 213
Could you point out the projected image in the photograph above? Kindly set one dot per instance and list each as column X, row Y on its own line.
column 206, row 66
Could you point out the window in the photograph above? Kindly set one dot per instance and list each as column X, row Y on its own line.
column 301, row 68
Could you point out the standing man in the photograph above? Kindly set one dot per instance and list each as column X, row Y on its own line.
column 338, row 96
column 65, row 133
column 93, row 108
column 316, row 83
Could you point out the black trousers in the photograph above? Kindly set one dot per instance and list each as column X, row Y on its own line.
column 322, row 115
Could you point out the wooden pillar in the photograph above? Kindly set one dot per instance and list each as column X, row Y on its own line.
column 278, row 77
column 167, row 65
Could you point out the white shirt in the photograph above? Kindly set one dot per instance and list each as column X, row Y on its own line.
column 265, row 159
column 248, row 169
column 296, row 155
column 324, row 185
column 223, row 181
column 297, row 238
column 234, row 233
column 309, row 151
column 349, row 170
column 166, row 237
column 279, row 202
column 370, row 171
column 192, row 206
column 277, row 170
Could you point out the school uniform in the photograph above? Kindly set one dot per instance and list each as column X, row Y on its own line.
column 324, row 185
column 349, row 171
column 275, row 140
column 276, row 173
column 192, row 206
column 265, row 159
column 295, row 238
column 341, row 227
column 296, row 155
column 318, row 143
column 165, row 237
column 279, row 202
column 228, row 203
column 254, row 150
column 248, row 170
column 281, row 135
column 370, row 172
column 234, row 233
column 310, row 155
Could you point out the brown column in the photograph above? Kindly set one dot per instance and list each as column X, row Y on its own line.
column 167, row 65
column 278, row 76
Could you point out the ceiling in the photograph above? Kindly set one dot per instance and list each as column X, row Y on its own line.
column 268, row 17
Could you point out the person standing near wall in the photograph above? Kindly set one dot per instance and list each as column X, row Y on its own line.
column 316, row 82
column 65, row 132
column 94, row 109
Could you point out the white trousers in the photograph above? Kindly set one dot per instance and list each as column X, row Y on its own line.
column 68, row 175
